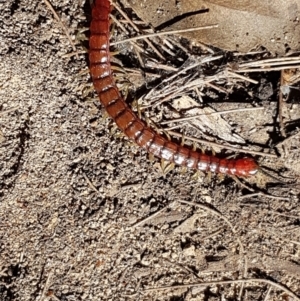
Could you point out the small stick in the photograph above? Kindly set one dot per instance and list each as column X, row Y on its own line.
column 280, row 107
column 268, row 62
column 118, row 8
column 8, row 111
column 265, row 195
column 90, row 183
column 209, row 283
column 233, row 74
column 149, row 217
column 268, row 293
column 242, row 184
column 268, row 69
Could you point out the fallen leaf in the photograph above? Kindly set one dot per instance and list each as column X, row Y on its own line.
column 206, row 121
column 242, row 25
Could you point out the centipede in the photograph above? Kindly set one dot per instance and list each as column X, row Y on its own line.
column 130, row 124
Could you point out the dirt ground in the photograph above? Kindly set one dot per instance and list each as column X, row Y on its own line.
column 87, row 215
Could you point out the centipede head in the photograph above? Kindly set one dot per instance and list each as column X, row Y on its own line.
column 245, row 167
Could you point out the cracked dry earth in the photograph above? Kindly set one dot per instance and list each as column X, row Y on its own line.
column 86, row 215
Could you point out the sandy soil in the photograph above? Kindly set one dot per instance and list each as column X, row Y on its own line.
column 86, row 215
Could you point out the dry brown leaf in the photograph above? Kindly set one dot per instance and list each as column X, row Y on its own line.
column 207, row 121
column 243, row 25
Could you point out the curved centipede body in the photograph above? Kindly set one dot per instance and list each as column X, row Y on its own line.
column 130, row 124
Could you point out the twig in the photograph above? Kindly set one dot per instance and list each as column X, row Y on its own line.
column 233, row 74
column 265, row 195
column 275, row 213
column 249, row 53
column 268, row 293
column 280, row 107
column 90, row 183
column 129, row 186
column 219, row 89
column 181, row 71
column 149, row 217
column 183, row 267
column 242, row 184
column 46, row 286
column 118, row 8
column 160, row 66
column 68, row 55
column 209, row 283
column 116, row 21
column 8, row 111
column 262, row 69
column 268, row 62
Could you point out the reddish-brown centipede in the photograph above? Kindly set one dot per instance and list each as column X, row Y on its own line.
column 130, row 124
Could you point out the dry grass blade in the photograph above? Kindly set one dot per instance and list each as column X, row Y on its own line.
column 245, row 78
column 274, row 64
column 163, row 33
column 137, row 30
column 271, row 62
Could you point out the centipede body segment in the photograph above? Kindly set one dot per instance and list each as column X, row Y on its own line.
column 130, row 124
